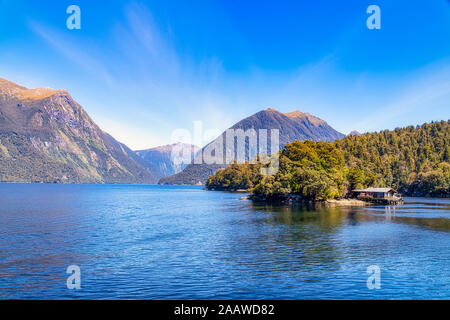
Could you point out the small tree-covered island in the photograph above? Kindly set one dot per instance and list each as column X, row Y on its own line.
column 412, row 160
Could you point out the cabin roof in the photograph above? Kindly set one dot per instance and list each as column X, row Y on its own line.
column 374, row 190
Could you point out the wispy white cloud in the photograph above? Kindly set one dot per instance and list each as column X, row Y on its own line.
column 73, row 53
column 166, row 89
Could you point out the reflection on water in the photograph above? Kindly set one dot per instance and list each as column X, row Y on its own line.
column 427, row 212
column 179, row 242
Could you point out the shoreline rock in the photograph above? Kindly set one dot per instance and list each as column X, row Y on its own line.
column 347, row 202
column 297, row 199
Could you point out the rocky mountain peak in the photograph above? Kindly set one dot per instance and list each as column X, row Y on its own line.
column 10, row 90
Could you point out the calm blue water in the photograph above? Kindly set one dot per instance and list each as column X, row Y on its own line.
column 180, row 242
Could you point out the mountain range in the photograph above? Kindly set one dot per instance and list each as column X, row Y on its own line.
column 46, row 136
column 292, row 126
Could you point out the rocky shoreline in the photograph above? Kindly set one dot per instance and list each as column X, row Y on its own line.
column 294, row 199
column 347, row 202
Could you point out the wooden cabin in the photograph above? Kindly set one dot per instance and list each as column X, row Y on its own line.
column 378, row 195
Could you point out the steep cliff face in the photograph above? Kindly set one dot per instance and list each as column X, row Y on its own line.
column 45, row 136
column 292, row 126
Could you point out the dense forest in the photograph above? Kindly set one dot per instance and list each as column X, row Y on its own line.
column 413, row 160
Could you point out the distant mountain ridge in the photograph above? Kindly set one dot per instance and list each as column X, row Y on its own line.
column 354, row 133
column 162, row 158
column 45, row 136
column 292, row 126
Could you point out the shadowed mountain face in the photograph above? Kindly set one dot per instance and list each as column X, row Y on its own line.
column 292, row 127
column 168, row 159
column 45, row 136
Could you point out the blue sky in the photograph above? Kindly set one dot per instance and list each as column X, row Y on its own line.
column 142, row 69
